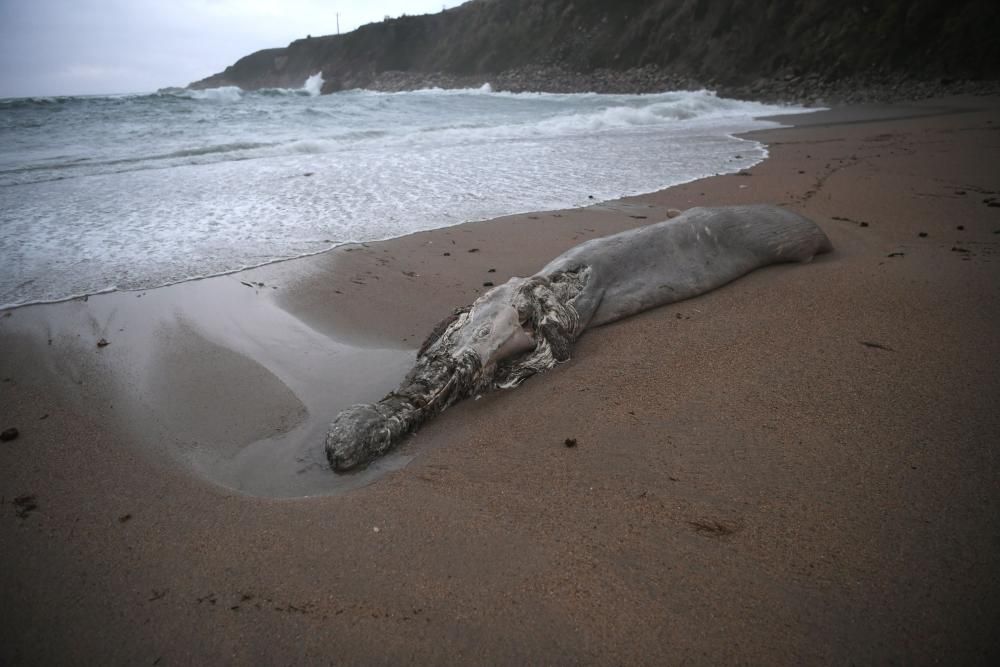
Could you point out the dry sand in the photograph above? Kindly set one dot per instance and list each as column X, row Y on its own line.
column 799, row 468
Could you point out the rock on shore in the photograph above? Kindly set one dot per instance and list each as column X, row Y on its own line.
column 803, row 51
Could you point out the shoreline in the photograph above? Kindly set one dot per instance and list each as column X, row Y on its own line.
column 568, row 202
column 758, row 469
column 858, row 113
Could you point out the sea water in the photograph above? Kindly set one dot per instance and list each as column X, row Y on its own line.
column 135, row 191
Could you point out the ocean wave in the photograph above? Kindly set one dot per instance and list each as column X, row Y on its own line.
column 90, row 166
column 573, row 115
column 357, row 120
column 208, row 150
column 278, row 92
column 607, row 113
column 41, row 102
column 432, row 91
column 671, row 108
column 221, row 94
column 141, row 196
column 311, row 88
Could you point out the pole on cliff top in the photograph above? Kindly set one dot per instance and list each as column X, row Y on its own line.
column 338, row 23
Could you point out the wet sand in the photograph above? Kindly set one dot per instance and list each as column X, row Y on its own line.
column 800, row 467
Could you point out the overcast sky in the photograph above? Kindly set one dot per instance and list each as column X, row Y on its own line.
column 77, row 47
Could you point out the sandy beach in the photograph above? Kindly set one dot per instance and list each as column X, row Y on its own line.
column 798, row 468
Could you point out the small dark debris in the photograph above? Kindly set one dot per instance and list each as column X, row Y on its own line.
column 802, row 171
column 955, row 248
column 739, row 157
column 862, row 224
column 590, row 196
column 532, row 217
column 246, row 597
column 446, row 254
column 309, row 173
column 673, row 479
column 103, row 343
column 9, row 434
column 491, row 271
column 639, row 217
column 959, row 192
column 877, row 346
column 43, row 417
column 922, row 235
column 473, row 249
column 260, row 284
column 570, row 442
column 713, row 528
column 243, row 282
column 410, row 274
column 124, row 518
column 25, row 505
column 743, row 172
column 157, row 595
column 842, row 218
column 896, row 254
column 960, row 228
column 235, row 607
column 488, row 283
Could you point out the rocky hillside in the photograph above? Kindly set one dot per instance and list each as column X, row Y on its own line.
column 754, row 47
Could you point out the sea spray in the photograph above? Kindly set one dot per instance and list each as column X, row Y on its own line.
column 314, row 84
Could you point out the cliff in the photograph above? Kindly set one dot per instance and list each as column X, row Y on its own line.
column 635, row 45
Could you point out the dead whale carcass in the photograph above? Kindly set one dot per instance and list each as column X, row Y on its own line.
column 527, row 325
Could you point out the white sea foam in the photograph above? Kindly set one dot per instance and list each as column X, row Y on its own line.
column 223, row 94
column 314, row 84
column 141, row 191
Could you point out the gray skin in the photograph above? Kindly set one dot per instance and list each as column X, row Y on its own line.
column 527, row 325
